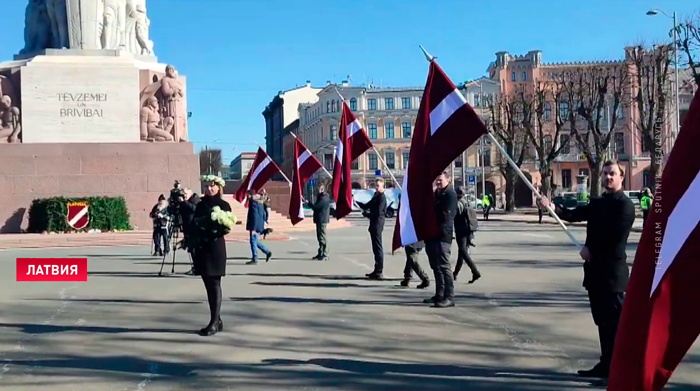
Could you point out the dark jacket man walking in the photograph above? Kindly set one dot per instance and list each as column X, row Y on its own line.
column 412, row 265
column 322, row 211
column 375, row 210
column 439, row 247
column 605, row 269
column 465, row 225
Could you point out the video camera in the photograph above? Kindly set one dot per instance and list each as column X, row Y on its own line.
column 177, row 196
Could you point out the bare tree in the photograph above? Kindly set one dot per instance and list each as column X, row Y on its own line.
column 650, row 88
column 506, row 123
column 210, row 161
column 592, row 96
column 689, row 45
column 543, row 124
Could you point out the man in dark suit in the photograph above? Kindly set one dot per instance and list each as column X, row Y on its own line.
column 439, row 247
column 322, row 211
column 610, row 219
column 375, row 210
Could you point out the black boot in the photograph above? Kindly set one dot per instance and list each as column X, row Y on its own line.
column 424, row 284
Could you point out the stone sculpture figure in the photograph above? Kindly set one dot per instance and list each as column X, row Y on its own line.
column 37, row 27
column 58, row 16
column 10, row 123
column 113, row 31
column 152, row 126
column 172, row 98
column 137, row 26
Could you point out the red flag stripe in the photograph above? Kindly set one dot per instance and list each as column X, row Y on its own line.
column 305, row 166
column 262, row 170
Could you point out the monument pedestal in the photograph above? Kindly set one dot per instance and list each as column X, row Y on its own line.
column 139, row 172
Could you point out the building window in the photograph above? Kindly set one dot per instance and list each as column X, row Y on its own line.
column 566, row 179
column 524, row 76
column 372, row 158
column 406, row 129
column 646, row 179
column 334, row 132
column 355, row 165
column 353, row 104
column 487, row 157
column 564, row 144
column 371, row 104
column 406, row 156
column 372, row 131
column 406, row 103
column 646, row 144
column 512, row 76
column 388, row 103
column 619, row 143
column 477, row 100
column 328, row 106
column 547, row 111
column 547, row 144
column 390, row 159
column 389, row 129
column 328, row 161
column 564, row 110
column 333, row 106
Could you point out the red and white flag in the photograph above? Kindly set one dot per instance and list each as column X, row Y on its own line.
column 261, row 171
column 353, row 139
column 446, row 126
column 660, row 318
column 305, row 166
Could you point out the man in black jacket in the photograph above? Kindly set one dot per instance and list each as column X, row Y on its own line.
column 322, row 211
column 465, row 221
column 439, row 247
column 610, row 219
column 375, row 210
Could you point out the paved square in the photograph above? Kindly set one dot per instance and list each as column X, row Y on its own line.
column 298, row 324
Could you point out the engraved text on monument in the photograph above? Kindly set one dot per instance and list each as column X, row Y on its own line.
column 81, row 104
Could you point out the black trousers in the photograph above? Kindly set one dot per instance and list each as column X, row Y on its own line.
column 161, row 240
column 439, row 256
column 375, row 234
column 463, row 256
column 213, row 286
column 412, row 265
column 606, row 308
column 645, row 213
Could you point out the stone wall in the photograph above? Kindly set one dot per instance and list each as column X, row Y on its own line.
column 279, row 192
column 138, row 171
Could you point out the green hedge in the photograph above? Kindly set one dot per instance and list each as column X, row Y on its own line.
column 106, row 214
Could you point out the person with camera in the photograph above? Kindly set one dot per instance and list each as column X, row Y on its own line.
column 161, row 223
column 211, row 222
column 375, row 210
column 466, row 224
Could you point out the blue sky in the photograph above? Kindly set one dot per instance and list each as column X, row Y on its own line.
column 237, row 54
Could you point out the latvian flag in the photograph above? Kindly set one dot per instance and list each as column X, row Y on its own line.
column 261, row 171
column 446, row 126
column 660, row 316
column 352, row 138
column 305, row 166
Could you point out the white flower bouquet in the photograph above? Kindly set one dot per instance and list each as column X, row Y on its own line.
column 224, row 218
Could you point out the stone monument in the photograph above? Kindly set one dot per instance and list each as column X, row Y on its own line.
column 86, row 108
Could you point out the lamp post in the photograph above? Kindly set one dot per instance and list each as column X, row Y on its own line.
column 655, row 12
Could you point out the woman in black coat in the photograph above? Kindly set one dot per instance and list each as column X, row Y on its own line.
column 209, row 248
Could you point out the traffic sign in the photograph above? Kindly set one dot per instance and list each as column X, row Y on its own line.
column 378, row 173
column 312, row 182
column 472, row 179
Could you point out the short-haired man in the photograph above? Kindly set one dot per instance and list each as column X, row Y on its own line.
column 375, row 210
column 438, row 248
column 606, row 274
column 465, row 227
column 322, row 211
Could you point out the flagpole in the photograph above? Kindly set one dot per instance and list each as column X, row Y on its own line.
column 284, row 176
column 517, row 169
column 534, row 190
column 396, row 183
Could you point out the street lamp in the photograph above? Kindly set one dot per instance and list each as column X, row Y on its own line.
column 654, row 12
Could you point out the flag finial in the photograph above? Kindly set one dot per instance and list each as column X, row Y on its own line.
column 426, row 54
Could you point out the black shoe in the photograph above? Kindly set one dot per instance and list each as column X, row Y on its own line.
column 444, row 303
column 375, row 276
column 211, row 329
column 454, row 276
column 251, row 263
column 317, row 258
column 432, row 300
column 405, row 282
column 475, row 277
column 220, row 327
column 599, row 371
column 424, row 284
column 269, row 255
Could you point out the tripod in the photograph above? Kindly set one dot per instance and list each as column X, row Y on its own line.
column 174, row 231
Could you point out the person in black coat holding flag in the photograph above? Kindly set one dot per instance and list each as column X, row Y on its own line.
column 212, row 221
column 375, row 210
